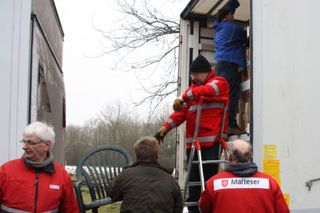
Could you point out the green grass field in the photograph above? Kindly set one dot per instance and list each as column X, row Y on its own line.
column 112, row 208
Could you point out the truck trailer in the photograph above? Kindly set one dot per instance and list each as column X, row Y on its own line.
column 279, row 107
column 32, row 86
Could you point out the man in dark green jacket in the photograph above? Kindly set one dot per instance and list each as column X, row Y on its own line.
column 146, row 186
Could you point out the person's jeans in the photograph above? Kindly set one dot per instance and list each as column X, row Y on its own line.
column 229, row 71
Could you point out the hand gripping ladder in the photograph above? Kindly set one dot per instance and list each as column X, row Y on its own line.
column 196, row 146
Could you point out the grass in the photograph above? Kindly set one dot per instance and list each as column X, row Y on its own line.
column 111, row 208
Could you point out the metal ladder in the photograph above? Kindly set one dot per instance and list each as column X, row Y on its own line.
column 196, row 147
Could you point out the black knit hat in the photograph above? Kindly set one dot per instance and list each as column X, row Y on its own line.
column 200, row 64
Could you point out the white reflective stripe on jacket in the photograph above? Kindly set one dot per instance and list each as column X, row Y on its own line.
column 13, row 210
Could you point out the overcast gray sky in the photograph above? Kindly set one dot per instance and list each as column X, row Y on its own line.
column 90, row 83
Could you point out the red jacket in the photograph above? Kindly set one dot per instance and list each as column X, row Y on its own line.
column 229, row 193
column 18, row 189
column 216, row 88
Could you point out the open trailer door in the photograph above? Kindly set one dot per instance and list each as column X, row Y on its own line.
column 279, row 104
column 196, row 37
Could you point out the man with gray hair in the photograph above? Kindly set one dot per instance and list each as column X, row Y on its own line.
column 35, row 183
column 146, row 186
column 241, row 188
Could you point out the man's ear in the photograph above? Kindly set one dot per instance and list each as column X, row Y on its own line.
column 48, row 145
column 231, row 158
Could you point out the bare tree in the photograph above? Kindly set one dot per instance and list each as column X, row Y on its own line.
column 146, row 42
column 77, row 142
column 114, row 125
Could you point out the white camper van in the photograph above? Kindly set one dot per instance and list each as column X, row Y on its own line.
column 31, row 77
column 279, row 104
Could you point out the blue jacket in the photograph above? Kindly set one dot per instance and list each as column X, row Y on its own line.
column 230, row 39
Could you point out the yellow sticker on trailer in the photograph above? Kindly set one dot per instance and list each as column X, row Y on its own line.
column 269, row 152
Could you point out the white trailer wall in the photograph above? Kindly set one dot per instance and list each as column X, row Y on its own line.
column 286, row 103
column 14, row 78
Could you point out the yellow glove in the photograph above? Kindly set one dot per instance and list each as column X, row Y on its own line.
column 177, row 104
column 161, row 133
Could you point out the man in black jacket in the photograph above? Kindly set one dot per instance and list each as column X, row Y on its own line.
column 146, row 186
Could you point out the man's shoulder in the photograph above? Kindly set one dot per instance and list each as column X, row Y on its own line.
column 218, row 80
column 226, row 174
column 148, row 170
column 228, row 24
column 261, row 174
column 264, row 175
column 148, row 166
column 59, row 168
column 256, row 176
column 12, row 163
column 12, row 166
column 222, row 24
column 221, row 175
column 57, row 165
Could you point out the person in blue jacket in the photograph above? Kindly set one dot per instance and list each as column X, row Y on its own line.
column 230, row 41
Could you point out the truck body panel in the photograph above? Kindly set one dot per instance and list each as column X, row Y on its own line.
column 32, row 86
column 278, row 93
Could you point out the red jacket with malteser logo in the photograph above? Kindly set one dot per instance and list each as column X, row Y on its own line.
column 228, row 193
column 216, row 89
column 24, row 190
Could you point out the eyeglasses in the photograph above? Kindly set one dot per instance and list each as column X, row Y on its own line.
column 31, row 143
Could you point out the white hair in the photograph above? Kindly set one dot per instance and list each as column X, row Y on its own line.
column 42, row 130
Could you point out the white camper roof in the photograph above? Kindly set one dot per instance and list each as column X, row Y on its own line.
column 198, row 9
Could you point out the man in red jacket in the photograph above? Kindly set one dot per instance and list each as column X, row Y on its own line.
column 35, row 183
column 241, row 188
column 204, row 84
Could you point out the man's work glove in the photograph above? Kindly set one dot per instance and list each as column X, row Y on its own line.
column 177, row 104
column 160, row 134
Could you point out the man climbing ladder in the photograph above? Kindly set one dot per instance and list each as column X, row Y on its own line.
column 204, row 84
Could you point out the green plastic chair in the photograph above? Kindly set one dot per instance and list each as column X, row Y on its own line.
column 95, row 170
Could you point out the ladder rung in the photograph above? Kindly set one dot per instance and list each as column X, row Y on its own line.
column 194, row 183
column 210, row 161
column 191, row 203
